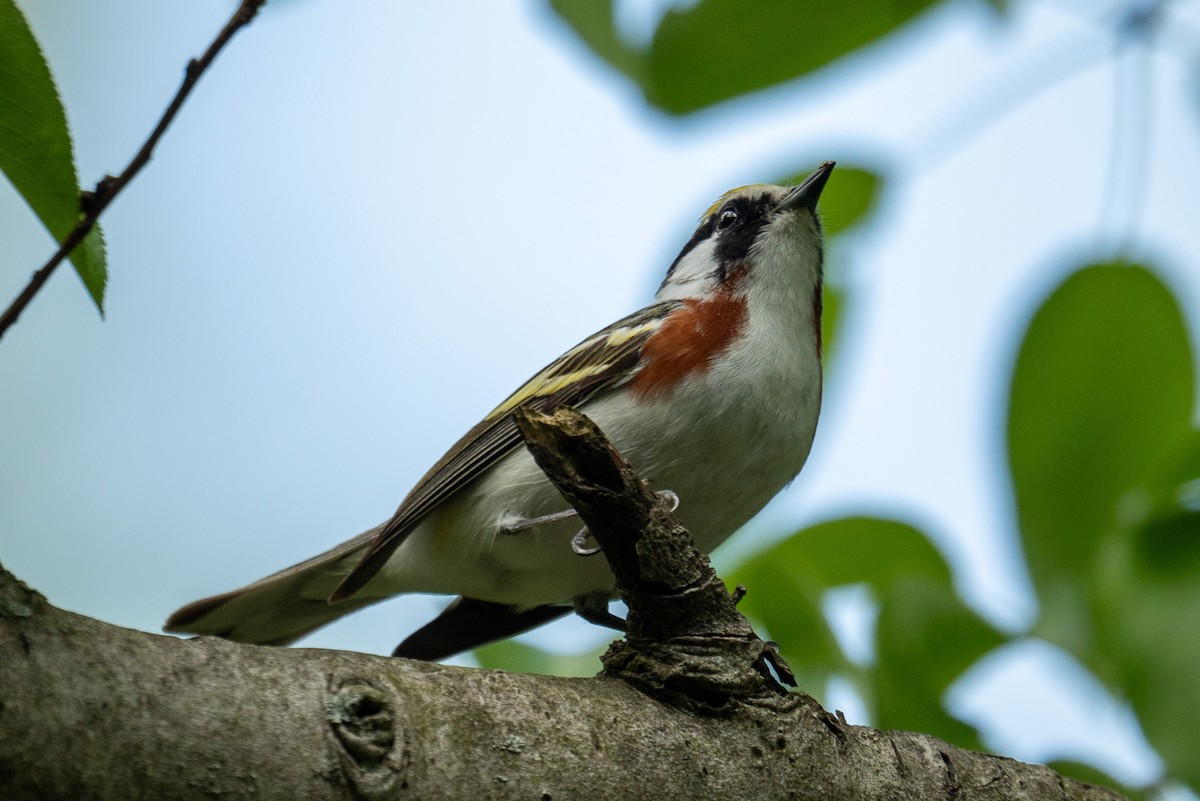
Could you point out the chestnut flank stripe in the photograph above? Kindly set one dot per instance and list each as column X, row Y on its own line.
column 689, row 340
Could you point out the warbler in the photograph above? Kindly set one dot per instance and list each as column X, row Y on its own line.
column 712, row 392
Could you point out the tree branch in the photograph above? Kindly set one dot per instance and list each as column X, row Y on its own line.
column 686, row 642
column 93, row 711
column 95, row 202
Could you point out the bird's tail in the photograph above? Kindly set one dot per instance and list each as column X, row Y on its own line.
column 282, row 607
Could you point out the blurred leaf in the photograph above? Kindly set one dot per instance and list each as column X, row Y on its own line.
column 1148, row 629
column 831, row 317
column 1147, row 586
column 517, row 657
column 1167, row 539
column 786, row 584
column 592, row 21
column 35, row 146
column 926, row 638
column 1169, row 545
column 786, row 607
column 1105, row 466
column 719, row 49
column 1102, row 390
column 848, row 199
column 851, row 550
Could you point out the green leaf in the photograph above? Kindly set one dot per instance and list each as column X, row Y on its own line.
column 592, row 21
column 853, row 550
column 925, row 636
column 1107, row 475
column 926, row 639
column 719, row 49
column 1169, row 544
column 35, row 146
column 1101, row 394
column 1147, row 633
column 517, row 657
column 832, row 301
column 784, row 603
column 848, row 200
column 1147, row 586
column 1173, row 492
column 786, row 584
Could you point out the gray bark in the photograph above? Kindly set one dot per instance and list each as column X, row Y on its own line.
column 93, row 711
column 685, row 708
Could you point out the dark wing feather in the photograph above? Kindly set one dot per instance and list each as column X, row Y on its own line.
column 604, row 360
column 467, row 623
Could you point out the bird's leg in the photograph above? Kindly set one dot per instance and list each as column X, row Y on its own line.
column 524, row 524
column 672, row 497
column 594, row 609
column 579, row 541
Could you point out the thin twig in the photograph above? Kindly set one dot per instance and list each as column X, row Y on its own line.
column 94, row 203
column 1130, row 146
column 985, row 104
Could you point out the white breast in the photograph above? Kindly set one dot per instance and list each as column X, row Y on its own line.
column 726, row 442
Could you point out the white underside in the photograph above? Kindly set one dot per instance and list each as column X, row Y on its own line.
column 725, row 441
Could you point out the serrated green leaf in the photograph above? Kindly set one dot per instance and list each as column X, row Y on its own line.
column 719, row 49
column 35, row 145
column 1101, row 394
column 926, row 638
column 593, row 22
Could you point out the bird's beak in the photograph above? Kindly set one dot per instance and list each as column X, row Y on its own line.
column 805, row 195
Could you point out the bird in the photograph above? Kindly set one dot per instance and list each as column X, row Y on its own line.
column 712, row 392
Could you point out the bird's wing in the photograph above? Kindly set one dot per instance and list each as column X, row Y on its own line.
column 282, row 607
column 468, row 623
column 604, row 360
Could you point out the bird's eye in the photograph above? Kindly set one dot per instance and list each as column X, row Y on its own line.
column 726, row 218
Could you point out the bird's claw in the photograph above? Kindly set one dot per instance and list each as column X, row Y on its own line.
column 579, row 541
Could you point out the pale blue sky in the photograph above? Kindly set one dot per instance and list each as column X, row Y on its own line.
column 374, row 219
